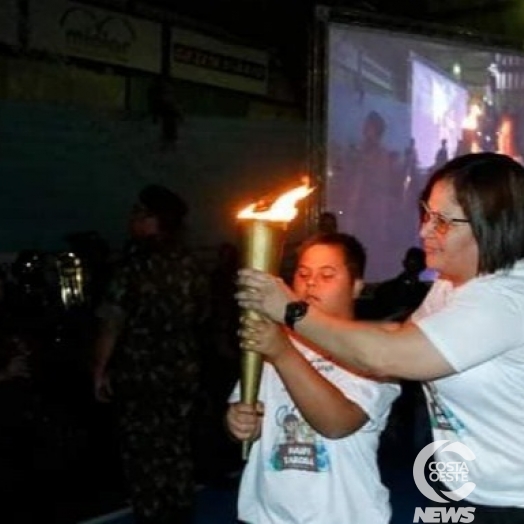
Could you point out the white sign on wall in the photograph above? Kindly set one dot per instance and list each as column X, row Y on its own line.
column 204, row 59
column 9, row 22
column 84, row 31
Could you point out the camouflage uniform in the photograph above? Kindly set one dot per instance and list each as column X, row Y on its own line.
column 154, row 372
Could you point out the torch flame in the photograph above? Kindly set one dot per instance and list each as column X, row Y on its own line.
column 471, row 121
column 281, row 210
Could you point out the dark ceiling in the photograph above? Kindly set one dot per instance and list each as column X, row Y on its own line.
column 259, row 20
column 270, row 23
column 282, row 25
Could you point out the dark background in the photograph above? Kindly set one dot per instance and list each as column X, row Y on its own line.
column 285, row 26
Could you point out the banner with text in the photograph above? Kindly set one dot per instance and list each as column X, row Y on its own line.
column 75, row 29
column 207, row 60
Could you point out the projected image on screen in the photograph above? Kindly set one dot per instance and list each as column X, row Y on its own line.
column 398, row 107
column 439, row 107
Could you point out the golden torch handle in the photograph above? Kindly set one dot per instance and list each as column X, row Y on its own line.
column 262, row 249
column 262, row 245
column 251, row 370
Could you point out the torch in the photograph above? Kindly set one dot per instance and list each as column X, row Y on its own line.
column 263, row 228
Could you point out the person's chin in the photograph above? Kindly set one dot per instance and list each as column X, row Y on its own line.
column 432, row 258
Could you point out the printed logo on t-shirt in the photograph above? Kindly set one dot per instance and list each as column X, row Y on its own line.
column 440, row 415
column 297, row 445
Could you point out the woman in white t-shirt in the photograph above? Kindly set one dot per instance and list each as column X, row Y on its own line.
column 466, row 340
column 314, row 455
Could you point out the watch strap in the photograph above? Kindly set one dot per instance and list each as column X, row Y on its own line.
column 295, row 311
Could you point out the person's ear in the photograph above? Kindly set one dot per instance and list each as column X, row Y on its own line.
column 358, row 286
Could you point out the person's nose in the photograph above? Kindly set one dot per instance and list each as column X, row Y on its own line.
column 311, row 280
column 427, row 227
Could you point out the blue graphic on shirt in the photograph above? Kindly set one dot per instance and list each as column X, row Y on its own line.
column 297, row 445
column 440, row 415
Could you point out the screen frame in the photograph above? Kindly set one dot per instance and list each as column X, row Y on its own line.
column 326, row 17
column 318, row 63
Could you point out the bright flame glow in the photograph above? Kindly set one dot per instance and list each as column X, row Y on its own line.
column 283, row 208
column 471, row 121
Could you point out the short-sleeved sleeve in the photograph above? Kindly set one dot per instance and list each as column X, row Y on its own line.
column 483, row 319
column 374, row 397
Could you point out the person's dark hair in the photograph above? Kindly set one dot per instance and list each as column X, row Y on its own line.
column 354, row 252
column 490, row 189
column 169, row 208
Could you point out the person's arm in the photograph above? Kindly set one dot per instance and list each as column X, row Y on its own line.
column 104, row 347
column 111, row 317
column 403, row 353
column 323, row 405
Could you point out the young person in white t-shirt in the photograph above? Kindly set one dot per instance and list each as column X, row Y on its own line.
column 316, row 430
column 466, row 340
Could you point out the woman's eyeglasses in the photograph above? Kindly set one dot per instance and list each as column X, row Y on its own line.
column 441, row 223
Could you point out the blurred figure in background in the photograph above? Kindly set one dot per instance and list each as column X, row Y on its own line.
column 442, row 155
column 397, row 298
column 147, row 357
column 327, row 222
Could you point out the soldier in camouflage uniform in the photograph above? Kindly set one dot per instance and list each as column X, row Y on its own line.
column 148, row 348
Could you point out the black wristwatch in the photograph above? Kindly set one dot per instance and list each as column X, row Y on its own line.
column 295, row 311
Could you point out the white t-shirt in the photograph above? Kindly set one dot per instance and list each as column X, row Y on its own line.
column 479, row 329
column 296, row 476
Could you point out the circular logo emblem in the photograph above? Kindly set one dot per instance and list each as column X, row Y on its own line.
column 443, row 471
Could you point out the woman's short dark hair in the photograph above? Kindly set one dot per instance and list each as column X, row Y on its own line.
column 353, row 250
column 489, row 187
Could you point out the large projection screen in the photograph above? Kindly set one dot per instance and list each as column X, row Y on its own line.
column 396, row 105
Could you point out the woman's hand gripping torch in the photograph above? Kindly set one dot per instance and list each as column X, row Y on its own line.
column 262, row 244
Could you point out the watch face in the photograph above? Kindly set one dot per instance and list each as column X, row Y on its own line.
column 295, row 311
column 300, row 309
